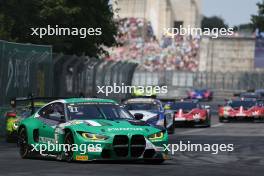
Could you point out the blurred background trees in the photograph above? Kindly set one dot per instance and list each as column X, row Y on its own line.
column 17, row 17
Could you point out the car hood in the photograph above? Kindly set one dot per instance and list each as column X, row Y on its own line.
column 111, row 126
column 147, row 114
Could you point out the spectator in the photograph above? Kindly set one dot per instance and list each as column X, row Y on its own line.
column 136, row 42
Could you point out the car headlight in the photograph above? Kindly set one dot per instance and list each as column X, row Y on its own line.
column 155, row 136
column 92, row 136
column 15, row 126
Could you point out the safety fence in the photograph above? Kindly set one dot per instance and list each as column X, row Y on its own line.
column 27, row 68
column 3, row 111
column 34, row 69
column 24, row 68
column 82, row 75
column 213, row 80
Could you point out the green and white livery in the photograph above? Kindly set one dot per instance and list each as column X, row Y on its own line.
column 90, row 129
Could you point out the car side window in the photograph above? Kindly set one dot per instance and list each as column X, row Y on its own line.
column 46, row 111
column 59, row 108
column 53, row 111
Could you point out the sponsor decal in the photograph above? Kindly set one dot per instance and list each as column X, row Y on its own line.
column 92, row 123
column 81, row 158
column 125, row 129
column 97, row 148
column 46, row 140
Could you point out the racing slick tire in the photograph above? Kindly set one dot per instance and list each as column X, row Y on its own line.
column 208, row 122
column 171, row 129
column 222, row 120
column 24, row 148
column 68, row 155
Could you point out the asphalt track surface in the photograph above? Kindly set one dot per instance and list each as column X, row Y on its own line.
column 247, row 159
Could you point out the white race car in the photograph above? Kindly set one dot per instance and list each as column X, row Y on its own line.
column 151, row 111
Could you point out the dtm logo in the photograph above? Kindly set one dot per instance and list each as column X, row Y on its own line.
column 124, row 129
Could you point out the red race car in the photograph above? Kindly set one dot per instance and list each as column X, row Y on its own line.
column 243, row 109
column 188, row 112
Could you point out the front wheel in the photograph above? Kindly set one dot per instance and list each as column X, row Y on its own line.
column 171, row 121
column 208, row 121
column 222, row 120
column 69, row 141
column 24, row 148
column 171, row 129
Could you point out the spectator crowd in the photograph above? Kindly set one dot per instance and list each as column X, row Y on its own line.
column 136, row 42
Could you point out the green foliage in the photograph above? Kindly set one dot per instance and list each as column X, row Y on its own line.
column 248, row 27
column 258, row 20
column 213, row 22
column 17, row 17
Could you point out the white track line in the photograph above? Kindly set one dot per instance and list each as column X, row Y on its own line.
column 217, row 125
column 201, row 129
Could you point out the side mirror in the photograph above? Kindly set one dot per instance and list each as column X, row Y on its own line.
column 138, row 116
column 207, row 107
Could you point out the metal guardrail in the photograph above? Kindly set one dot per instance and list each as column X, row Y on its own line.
column 27, row 69
column 216, row 80
column 3, row 111
column 74, row 75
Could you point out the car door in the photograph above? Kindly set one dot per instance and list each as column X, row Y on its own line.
column 51, row 116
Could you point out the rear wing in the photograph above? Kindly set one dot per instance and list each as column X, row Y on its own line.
column 167, row 100
column 135, row 97
column 31, row 100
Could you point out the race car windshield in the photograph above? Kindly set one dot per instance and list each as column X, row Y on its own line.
column 246, row 104
column 184, row 106
column 97, row 111
column 142, row 106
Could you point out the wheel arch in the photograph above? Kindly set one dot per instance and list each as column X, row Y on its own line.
column 30, row 127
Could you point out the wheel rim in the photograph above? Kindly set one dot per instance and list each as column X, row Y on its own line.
column 69, row 153
column 23, row 144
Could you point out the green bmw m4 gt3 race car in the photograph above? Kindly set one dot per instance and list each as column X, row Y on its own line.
column 85, row 129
